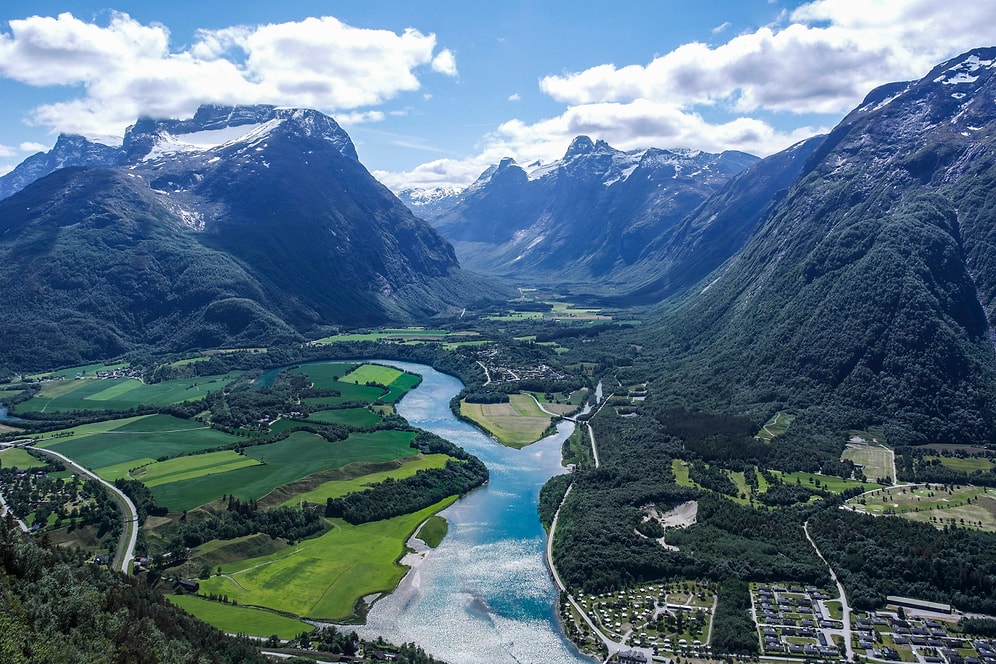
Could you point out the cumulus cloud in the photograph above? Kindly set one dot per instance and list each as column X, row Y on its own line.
column 7, row 151
column 127, row 69
column 515, row 96
column 759, row 89
column 31, row 147
column 822, row 58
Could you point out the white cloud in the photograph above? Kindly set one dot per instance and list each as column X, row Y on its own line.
column 127, row 69
column 515, row 96
column 362, row 117
column 31, row 147
column 7, row 151
column 445, row 63
column 722, row 27
column 824, row 61
column 821, row 58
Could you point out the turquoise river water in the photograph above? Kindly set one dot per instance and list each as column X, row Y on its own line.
column 485, row 594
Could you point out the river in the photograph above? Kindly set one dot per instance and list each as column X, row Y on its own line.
column 484, row 595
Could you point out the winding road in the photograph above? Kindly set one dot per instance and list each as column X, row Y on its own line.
column 129, row 533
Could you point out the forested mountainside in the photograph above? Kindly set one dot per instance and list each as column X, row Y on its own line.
column 583, row 220
column 248, row 225
column 867, row 290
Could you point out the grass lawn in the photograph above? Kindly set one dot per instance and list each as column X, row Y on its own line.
column 323, row 577
column 338, row 488
column 190, row 467
column 516, row 423
column 324, row 374
column 15, row 457
column 240, row 619
column 131, row 439
column 121, row 470
column 119, row 394
column 288, row 460
column 876, row 460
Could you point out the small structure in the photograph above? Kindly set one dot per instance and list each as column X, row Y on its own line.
column 190, row 585
column 632, row 657
column 919, row 604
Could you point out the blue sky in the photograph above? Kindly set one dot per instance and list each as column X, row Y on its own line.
column 433, row 92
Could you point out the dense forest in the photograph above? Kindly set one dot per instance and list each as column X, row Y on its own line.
column 59, row 609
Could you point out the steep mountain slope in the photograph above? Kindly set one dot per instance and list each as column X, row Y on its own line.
column 69, row 150
column 581, row 219
column 862, row 294
column 210, row 233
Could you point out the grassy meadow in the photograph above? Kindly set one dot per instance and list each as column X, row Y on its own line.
column 323, row 577
column 240, row 619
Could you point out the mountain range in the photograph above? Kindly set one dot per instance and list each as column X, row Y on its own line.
column 241, row 225
column 583, row 220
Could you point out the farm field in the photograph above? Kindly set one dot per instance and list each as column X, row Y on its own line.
column 350, row 417
column 825, row 482
column 297, row 456
column 118, row 394
column 130, row 439
column 968, row 506
column 83, row 370
column 240, row 619
column 516, row 423
column 338, row 488
column 191, row 467
column 15, row 457
column 967, row 465
column 323, row 577
column 876, row 460
column 402, row 335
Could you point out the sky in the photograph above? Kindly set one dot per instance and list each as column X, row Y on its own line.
column 432, row 93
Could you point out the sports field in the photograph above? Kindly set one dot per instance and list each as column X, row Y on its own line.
column 240, row 619
column 131, row 439
column 119, row 394
column 323, row 577
column 516, row 423
column 297, row 456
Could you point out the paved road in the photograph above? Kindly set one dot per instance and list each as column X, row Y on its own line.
column 129, row 533
column 846, row 632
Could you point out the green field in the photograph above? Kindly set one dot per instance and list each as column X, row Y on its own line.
column 15, row 457
column 969, row 506
column 131, row 439
column 876, row 461
column 350, row 417
column 191, row 467
column 323, row 577
column 776, row 426
column 966, row 465
column 297, row 456
column 337, row 488
column 121, row 470
column 240, row 619
column 826, row 482
column 324, row 375
column 406, row 334
column 516, row 423
column 372, row 373
column 433, row 531
column 118, row 394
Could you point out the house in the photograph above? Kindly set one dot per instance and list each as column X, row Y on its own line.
column 189, row 585
column 632, row 657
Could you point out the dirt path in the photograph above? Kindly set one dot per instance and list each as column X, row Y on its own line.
column 846, row 631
